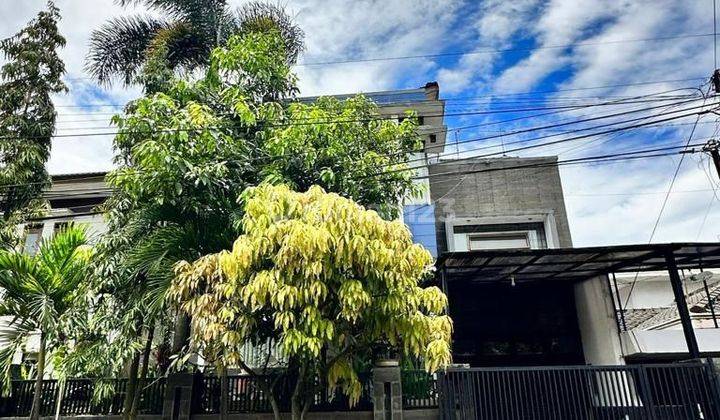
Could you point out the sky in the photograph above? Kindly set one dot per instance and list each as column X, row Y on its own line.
column 486, row 56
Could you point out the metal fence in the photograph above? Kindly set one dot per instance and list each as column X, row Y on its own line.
column 245, row 395
column 671, row 391
column 78, row 397
column 419, row 389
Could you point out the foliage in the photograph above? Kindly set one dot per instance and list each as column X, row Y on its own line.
column 349, row 145
column 188, row 146
column 185, row 34
column 39, row 291
column 30, row 76
column 185, row 152
column 327, row 278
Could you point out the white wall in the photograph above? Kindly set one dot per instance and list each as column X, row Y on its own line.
column 596, row 319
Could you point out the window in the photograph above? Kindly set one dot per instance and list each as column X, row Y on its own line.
column 33, row 235
column 433, row 138
column 510, row 240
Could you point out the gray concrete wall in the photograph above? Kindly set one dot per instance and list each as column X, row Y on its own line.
column 509, row 192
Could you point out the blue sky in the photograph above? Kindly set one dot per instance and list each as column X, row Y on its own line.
column 607, row 204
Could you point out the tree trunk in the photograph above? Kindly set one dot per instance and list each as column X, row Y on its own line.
column 143, row 371
column 224, row 391
column 60, row 395
column 298, row 396
column 131, row 386
column 275, row 406
column 181, row 334
column 37, row 397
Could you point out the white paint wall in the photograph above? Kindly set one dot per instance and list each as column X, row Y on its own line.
column 596, row 319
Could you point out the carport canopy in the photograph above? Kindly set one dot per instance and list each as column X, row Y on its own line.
column 518, row 266
column 573, row 264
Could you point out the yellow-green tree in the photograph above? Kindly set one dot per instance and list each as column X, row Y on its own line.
column 324, row 277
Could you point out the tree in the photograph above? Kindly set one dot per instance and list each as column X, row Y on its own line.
column 30, row 76
column 185, row 36
column 38, row 292
column 324, row 277
column 185, row 150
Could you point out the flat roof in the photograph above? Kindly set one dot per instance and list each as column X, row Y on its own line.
column 573, row 264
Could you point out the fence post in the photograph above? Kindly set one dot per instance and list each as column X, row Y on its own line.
column 387, row 391
column 177, row 404
column 646, row 392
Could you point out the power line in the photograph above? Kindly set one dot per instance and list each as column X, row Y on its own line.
column 535, row 139
column 652, row 82
column 336, row 121
column 664, row 204
column 635, row 154
column 602, row 158
column 672, row 181
column 483, row 111
column 609, row 131
column 389, row 154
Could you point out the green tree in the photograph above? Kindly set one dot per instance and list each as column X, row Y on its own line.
column 30, row 76
column 185, row 35
column 327, row 279
column 39, row 292
column 186, row 150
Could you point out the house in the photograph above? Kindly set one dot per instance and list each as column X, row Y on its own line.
column 521, row 295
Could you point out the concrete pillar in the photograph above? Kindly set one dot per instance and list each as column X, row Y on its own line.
column 177, row 404
column 387, row 391
column 596, row 319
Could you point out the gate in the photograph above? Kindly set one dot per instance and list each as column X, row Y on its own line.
column 667, row 391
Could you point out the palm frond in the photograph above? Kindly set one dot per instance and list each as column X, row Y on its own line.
column 15, row 336
column 118, row 47
column 186, row 46
column 19, row 276
column 180, row 9
column 264, row 17
column 57, row 254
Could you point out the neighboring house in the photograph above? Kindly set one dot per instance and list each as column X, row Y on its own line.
column 650, row 323
column 72, row 198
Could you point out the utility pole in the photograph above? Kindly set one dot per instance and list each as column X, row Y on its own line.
column 715, row 79
column 711, row 148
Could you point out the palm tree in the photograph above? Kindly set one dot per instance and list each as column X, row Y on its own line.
column 38, row 293
column 188, row 33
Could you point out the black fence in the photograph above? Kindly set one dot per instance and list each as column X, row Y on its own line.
column 78, row 397
column 419, row 389
column 672, row 391
column 246, row 395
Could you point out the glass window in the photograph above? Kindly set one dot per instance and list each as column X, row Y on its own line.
column 499, row 241
column 33, row 235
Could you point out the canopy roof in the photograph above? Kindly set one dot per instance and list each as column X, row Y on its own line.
column 573, row 264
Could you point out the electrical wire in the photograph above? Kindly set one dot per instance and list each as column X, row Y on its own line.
column 662, row 208
column 629, row 84
column 609, row 131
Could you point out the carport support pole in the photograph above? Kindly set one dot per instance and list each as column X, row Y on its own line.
column 685, row 320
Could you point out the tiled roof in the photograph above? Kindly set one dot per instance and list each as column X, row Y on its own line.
column 647, row 318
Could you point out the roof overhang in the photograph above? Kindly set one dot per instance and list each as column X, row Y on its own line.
column 573, row 264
